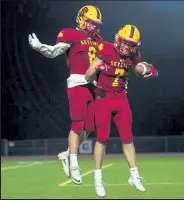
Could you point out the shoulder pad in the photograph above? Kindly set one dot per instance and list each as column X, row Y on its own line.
column 67, row 35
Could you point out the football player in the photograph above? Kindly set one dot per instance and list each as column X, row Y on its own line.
column 111, row 99
column 80, row 45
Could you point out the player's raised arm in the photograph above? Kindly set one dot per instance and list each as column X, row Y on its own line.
column 48, row 50
column 93, row 69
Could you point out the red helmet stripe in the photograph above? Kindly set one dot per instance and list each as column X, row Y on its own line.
column 132, row 31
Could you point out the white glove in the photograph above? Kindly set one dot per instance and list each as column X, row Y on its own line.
column 34, row 42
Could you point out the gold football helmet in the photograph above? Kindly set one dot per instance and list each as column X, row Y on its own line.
column 127, row 40
column 89, row 19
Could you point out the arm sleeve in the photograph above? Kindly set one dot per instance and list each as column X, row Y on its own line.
column 64, row 41
column 54, row 51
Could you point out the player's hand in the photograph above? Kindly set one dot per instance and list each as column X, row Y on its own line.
column 151, row 72
column 34, row 41
column 102, row 67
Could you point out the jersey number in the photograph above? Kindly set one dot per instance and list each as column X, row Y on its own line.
column 91, row 54
column 119, row 73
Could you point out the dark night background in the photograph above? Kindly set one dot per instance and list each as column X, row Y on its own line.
column 33, row 88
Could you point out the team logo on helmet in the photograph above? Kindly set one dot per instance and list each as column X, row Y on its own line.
column 82, row 11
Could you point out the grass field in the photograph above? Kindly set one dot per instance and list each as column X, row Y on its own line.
column 164, row 178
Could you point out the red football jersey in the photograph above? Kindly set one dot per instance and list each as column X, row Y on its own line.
column 82, row 51
column 112, row 79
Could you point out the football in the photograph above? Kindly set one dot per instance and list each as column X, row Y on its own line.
column 141, row 68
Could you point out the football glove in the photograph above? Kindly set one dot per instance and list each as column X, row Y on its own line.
column 34, row 41
column 150, row 73
column 102, row 67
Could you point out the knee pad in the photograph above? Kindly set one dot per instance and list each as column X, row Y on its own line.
column 126, row 137
column 77, row 127
column 102, row 137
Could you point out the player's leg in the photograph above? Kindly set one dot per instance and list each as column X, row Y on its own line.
column 89, row 124
column 78, row 97
column 102, row 120
column 64, row 156
column 78, row 106
column 90, row 114
column 90, row 117
column 123, row 121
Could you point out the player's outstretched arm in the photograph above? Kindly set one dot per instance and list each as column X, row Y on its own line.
column 93, row 69
column 47, row 50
